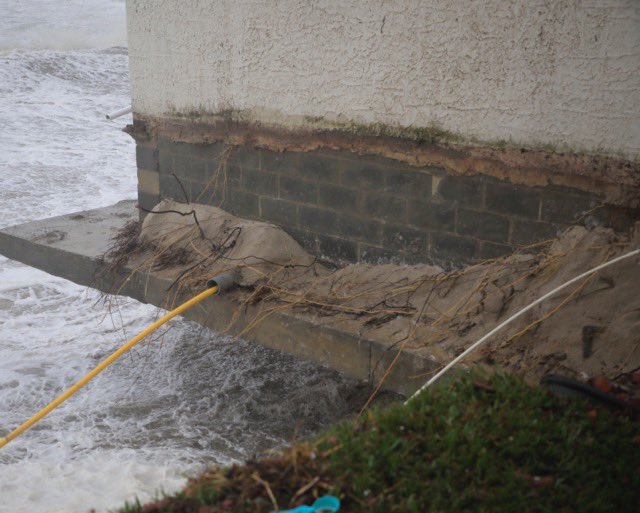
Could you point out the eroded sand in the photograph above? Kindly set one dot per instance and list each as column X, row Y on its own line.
column 421, row 307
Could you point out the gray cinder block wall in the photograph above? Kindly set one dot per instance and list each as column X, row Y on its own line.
column 346, row 207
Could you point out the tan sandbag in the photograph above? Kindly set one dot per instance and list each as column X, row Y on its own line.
column 222, row 241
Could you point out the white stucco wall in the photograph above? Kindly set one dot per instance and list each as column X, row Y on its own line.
column 565, row 72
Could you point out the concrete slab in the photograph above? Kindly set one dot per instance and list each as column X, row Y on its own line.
column 71, row 246
column 68, row 246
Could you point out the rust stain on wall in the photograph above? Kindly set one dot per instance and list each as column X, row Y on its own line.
column 617, row 180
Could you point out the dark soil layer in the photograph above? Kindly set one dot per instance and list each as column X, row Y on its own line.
column 481, row 443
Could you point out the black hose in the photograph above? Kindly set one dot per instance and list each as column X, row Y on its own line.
column 567, row 387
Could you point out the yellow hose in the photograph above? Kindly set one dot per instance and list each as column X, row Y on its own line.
column 104, row 364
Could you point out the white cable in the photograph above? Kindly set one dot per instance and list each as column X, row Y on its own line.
column 118, row 113
column 515, row 316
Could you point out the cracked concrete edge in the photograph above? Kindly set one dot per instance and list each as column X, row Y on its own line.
column 345, row 352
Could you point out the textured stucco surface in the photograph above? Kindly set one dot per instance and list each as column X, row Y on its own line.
column 528, row 71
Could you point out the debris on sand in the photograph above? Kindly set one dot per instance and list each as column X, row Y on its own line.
column 590, row 329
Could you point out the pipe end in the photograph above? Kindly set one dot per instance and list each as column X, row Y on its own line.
column 224, row 282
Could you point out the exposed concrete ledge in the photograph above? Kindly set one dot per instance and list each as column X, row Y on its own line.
column 71, row 247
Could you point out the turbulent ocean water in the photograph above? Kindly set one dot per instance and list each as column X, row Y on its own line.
column 178, row 402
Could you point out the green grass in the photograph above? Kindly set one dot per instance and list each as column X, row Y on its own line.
column 478, row 444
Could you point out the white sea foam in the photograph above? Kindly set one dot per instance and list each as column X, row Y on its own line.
column 178, row 401
column 62, row 25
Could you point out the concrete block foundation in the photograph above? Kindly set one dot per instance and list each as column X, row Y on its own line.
column 348, row 206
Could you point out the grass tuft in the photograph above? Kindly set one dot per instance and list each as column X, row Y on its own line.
column 482, row 443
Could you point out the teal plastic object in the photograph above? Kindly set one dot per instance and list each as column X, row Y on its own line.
column 325, row 504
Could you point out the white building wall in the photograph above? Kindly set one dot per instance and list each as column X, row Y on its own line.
column 561, row 72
